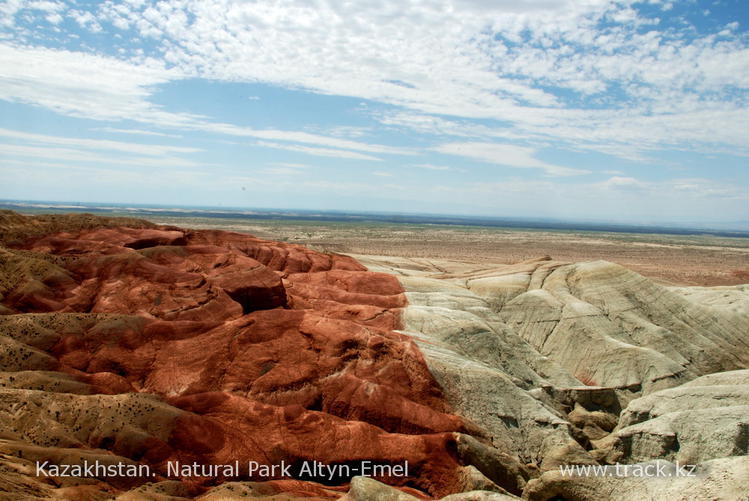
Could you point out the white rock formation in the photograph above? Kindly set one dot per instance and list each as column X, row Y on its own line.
column 543, row 356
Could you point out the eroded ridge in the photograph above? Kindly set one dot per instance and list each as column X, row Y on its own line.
column 155, row 345
column 591, row 365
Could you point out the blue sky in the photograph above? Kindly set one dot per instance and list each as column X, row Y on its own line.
column 574, row 109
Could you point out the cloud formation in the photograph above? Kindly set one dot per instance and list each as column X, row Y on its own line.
column 507, row 155
column 597, row 74
column 444, row 86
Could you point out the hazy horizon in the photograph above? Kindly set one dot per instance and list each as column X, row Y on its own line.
column 740, row 227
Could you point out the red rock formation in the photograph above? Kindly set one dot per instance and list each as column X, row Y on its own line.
column 273, row 351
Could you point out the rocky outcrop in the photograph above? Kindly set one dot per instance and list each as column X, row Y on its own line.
column 596, row 323
column 725, row 478
column 707, row 418
column 609, row 326
column 367, row 489
column 159, row 345
column 585, row 364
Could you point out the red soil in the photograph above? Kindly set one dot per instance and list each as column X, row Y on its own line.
column 273, row 351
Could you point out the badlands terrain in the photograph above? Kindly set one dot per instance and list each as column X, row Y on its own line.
column 700, row 259
column 129, row 343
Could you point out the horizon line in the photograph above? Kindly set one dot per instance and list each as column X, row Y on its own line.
column 725, row 229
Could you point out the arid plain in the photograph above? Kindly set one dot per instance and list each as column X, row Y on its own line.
column 695, row 260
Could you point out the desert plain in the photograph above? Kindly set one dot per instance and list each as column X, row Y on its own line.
column 697, row 260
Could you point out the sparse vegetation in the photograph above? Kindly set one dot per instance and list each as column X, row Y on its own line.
column 670, row 259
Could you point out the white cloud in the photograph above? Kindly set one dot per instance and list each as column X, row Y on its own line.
column 626, row 200
column 96, row 151
column 98, row 144
column 350, row 131
column 282, row 171
column 291, row 165
column 83, row 85
column 103, row 88
column 623, row 183
column 137, row 132
column 77, row 155
column 433, row 167
column 54, row 18
column 507, row 155
column 525, row 66
column 323, row 152
column 705, row 188
column 380, row 51
column 86, row 20
column 303, row 137
column 45, row 6
column 688, row 188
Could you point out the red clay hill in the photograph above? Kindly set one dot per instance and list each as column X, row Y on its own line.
column 250, row 350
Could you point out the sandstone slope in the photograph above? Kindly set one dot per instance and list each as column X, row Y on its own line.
column 588, row 364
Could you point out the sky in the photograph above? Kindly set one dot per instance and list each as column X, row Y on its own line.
column 626, row 111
